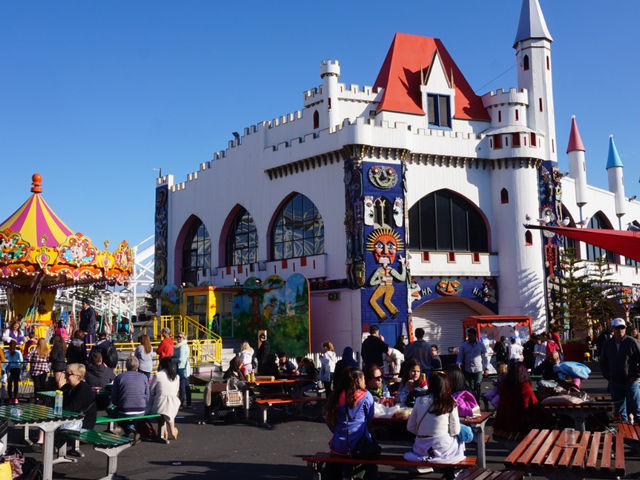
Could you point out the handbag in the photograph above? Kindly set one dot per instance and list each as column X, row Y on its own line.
column 366, row 448
column 467, row 404
column 231, row 397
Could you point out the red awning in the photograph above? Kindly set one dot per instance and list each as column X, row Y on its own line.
column 623, row 242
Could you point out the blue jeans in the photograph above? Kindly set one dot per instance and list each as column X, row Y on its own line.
column 626, row 399
column 185, row 389
column 475, row 381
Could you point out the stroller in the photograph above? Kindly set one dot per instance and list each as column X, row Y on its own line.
column 223, row 400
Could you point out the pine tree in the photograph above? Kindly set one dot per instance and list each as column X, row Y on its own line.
column 604, row 294
column 569, row 294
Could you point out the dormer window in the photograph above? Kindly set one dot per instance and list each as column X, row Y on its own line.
column 438, row 110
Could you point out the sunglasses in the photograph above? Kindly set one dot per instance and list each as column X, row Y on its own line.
column 377, row 378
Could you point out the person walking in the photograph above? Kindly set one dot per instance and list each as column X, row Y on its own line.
column 419, row 350
column 373, row 348
column 620, row 363
column 87, row 321
column 183, row 368
column 13, row 367
column 165, row 349
column 328, row 360
column 474, row 362
column 262, row 355
column 145, row 355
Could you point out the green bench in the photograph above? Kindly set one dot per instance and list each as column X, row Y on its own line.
column 108, row 443
column 111, row 421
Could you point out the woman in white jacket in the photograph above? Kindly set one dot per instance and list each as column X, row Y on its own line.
column 163, row 396
column 434, row 421
column 246, row 355
column 328, row 361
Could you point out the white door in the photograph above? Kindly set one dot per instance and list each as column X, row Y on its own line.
column 442, row 323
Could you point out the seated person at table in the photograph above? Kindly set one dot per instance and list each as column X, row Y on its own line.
column 78, row 395
column 130, row 392
column 392, row 362
column 343, row 365
column 270, row 366
column 517, row 411
column 286, row 366
column 374, row 381
column 349, row 411
column 98, row 374
column 435, row 422
column 411, row 380
column 235, row 373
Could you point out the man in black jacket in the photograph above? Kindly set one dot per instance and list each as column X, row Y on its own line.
column 373, row 347
column 620, row 363
column 87, row 321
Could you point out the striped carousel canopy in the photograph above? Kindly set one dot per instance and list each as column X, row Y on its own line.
column 37, row 250
column 35, row 220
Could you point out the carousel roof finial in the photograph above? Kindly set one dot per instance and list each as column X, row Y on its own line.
column 36, row 183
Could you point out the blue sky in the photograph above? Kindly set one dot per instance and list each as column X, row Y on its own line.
column 95, row 95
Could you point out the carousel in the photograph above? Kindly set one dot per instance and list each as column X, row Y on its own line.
column 39, row 255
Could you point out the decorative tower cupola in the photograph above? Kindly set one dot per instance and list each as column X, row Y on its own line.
column 330, row 73
column 533, row 56
column 616, row 179
column 577, row 164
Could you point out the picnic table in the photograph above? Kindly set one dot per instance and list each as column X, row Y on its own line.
column 476, row 423
column 32, row 415
column 578, row 412
column 588, row 454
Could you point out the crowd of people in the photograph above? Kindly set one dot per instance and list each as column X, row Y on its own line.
column 83, row 368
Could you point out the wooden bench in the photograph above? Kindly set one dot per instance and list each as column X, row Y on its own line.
column 108, row 443
column 111, row 421
column 628, row 431
column 319, row 459
column 592, row 452
column 579, row 411
column 265, row 403
column 479, row 473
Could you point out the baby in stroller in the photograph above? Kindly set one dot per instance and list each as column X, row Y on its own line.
column 218, row 401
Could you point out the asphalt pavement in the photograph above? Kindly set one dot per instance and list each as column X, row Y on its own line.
column 238, row 450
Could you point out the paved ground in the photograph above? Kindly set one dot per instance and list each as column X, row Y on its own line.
column 240, row 451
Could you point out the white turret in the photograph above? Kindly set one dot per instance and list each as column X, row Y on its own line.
column 616, row 180
column 577, row 164
column 330, row 73
column 533, row 56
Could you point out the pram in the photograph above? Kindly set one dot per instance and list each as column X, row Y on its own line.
column 223, row 400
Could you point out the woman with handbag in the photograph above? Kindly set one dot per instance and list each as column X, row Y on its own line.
column 349, row 410
column 435, row 422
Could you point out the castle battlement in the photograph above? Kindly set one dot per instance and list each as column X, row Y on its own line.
column 330, row 67
column 501, row 97
column 345, row 92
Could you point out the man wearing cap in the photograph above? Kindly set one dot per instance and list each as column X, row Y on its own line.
column 87, row 321
column 165, row 349
column 620, row 363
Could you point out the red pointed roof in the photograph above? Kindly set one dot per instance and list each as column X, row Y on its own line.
column 400, row 78
column 575, row 142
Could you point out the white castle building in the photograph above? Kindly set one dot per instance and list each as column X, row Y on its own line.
column 403, row 203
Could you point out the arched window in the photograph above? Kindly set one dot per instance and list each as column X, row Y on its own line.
column 504, row 196
column 382, row 212
column 316, row 119
column 525, row 62
column 298, row 230
column 196, row 253
column 569, row 244
column 445, row 221
column 593, row 252
column 242, row 240
column 528, row 238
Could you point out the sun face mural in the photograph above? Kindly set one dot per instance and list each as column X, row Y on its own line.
column 384, row 243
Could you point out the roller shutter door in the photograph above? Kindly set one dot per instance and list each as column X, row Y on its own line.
column 442, row 323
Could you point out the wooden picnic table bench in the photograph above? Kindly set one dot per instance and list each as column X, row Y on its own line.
column 317, row 461
column 479, row 473
column 265, row 403
column 111, row 421
column 108, row 443
column 592, row 453
column 628, row 431
column 580, row 411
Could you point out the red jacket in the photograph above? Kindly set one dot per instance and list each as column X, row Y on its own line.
column 516, row 410
column 165, row 349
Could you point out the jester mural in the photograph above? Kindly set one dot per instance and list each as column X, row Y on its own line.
column 39, row 254
column 384, row 244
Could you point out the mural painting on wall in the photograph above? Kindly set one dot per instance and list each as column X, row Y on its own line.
column 160, row 254
column 354, row 220
column 386, row 269
column 384, row 243
column 481, row 290
column 278, row 306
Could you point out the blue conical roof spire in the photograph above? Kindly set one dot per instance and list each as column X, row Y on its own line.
column 614, row 158
column 532, row 24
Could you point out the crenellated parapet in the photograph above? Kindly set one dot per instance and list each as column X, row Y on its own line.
column 502, row 97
